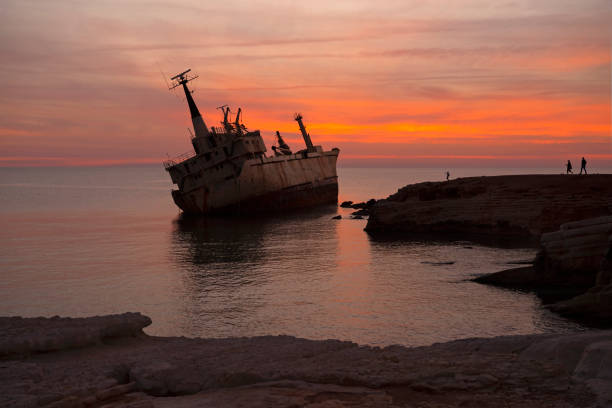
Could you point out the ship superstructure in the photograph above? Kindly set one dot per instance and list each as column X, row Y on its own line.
column 229, row 171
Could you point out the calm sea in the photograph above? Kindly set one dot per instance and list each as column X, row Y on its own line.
column 89, row 241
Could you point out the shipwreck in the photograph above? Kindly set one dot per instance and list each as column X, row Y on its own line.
column 228, row 170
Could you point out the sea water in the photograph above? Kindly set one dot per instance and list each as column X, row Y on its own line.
column 85, row 241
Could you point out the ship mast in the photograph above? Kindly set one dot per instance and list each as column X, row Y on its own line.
column 196, row 118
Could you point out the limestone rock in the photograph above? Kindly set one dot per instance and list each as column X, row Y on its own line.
column 22, row 336
column 577, row 246
column 284, row 394
column 587, row 357
column 514, row 371
column 596, row 362
column 568, row 351
column 514, row 206
column 161, row 378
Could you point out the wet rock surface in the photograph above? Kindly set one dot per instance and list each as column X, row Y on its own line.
column 514, row 206
column 143, row 371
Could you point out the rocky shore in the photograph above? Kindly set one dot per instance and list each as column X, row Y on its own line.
column 108, row 361
column 575, row 261
column 568, row 216
column 519, row 206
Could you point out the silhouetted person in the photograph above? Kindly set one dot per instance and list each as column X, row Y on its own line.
column 569, row 167
column 583, row 166
column 447, row 175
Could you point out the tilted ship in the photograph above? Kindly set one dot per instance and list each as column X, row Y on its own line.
column 229, row 171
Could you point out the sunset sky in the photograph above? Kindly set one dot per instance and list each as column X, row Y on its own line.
column 389, row 82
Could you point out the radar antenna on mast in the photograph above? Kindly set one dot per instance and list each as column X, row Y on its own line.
column 182, row 78
column 196, row 118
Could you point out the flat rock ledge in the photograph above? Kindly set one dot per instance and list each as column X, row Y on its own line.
column 130, row 369
column 502, row 206
column 20, row 335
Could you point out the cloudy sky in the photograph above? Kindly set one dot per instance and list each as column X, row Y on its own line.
column 389, row 82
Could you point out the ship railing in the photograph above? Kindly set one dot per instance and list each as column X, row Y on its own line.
column 178, row 159
column 219, row 131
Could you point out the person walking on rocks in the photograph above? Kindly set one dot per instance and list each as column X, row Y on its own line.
column 447, row 175
column 583, row 166
column 569, row 167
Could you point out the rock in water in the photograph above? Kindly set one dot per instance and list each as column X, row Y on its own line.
column 363, row 211
column 519, row 206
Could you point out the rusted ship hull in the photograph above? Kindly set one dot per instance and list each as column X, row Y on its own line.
column 267, row 184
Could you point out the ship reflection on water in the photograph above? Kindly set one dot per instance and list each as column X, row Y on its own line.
column 237, row 272
column 244, row 240
column 213, row 241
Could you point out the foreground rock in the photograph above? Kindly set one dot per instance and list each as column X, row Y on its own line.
column 23, row 336
column 512, row 206
column 135, row 370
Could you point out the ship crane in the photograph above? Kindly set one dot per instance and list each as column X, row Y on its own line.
column 226, row 110
column 305, row 135
column 237, row 122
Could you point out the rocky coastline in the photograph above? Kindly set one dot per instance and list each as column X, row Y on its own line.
column 568, row 216
column 109, row 361
column 521, row 206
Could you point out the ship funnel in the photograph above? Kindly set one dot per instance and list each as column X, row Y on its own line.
column 196, row 118
column 305, row 135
